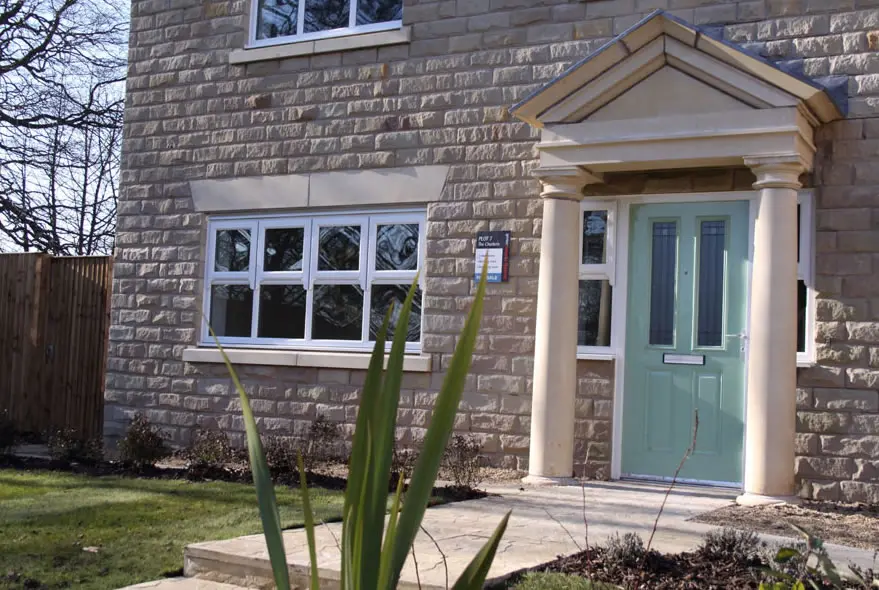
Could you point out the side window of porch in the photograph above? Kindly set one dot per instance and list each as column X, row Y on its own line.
column 596, row 276
column 806, row 283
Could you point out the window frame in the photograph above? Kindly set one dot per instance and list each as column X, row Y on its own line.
column 309, row 276
column 352, row 29
column 599, row 272
column 806, row 272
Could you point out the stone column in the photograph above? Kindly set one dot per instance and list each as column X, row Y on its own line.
column 551, row 459
column 770, row 422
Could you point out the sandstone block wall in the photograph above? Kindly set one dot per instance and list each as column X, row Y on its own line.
column 442, row 99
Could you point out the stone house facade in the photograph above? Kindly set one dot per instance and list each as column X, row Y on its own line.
column 691, row 196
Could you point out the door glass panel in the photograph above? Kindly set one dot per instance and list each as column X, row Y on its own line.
column 663, row 279
column 283, row 249
column 339, row 248
column 282, row 311
column 593, row 322
column 231, row 310
column 712, row 248
column 594, row 237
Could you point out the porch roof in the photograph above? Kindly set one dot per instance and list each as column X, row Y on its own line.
column 661, row 40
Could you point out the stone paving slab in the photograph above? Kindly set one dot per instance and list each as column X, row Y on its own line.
column 183, row 584
column 545, row 523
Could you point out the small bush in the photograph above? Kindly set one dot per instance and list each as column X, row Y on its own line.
column 67, row 444
column 209, row 451
column 324, row 438
column 7, row 432
column 624, row 552
column 461, row 461
column 281, row 455
column 143, row 444
column 731, row 545
column 402, row 463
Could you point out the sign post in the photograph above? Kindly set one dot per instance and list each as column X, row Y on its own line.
column 494, row 246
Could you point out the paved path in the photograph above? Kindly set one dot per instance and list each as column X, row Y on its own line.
column 545, row 523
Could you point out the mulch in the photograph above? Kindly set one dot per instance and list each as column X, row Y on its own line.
column 234, row 473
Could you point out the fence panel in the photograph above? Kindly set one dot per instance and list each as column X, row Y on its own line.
column 54, row 323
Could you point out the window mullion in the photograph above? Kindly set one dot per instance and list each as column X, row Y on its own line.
column 300, row 17
column 352, row 14
column 367, row 265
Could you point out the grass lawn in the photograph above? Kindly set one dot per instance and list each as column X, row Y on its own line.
column 138, row 526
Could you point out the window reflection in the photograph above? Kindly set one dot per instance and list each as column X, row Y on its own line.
column 593, row 325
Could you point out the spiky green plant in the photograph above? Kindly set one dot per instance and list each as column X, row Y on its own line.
column 372, row 558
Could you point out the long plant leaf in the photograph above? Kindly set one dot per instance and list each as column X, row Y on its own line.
column 385, row 565
column 437, row 437
column 309, row 523
column 359, row 465
column 384, row 421
column 473, row 576
column 262, row 479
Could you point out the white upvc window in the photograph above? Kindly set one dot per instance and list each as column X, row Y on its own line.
column 312, row 282
column 806, row 293
column 286, row 21
column 597, row 248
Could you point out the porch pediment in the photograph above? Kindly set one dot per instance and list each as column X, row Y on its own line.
column 663, row 66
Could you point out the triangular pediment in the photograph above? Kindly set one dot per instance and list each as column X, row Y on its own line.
column 664, row 66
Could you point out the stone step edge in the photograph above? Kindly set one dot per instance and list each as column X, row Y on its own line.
column 255, row 572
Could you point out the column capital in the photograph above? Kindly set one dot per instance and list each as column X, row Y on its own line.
column 564, row 182
column 782, row 171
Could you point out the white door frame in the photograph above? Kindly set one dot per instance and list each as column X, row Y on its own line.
column 621, row 300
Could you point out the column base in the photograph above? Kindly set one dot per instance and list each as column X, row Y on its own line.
column 749, row 499
column 541, row 481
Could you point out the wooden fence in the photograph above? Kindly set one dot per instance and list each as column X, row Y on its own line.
column 54, row 324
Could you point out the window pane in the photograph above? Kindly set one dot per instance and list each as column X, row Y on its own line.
column 593, row 322
column 276, row 18
column 712, row 245
column 802, row 315
column 594, row 237
column 232, row 250
column 378, row 11
column 283, row 249
column 282, row 311
column 383, row 296
column 662, row 283
column 396, row 247
column 339, row 248
column 337, row 312
column 231, row 310
column 323, row 15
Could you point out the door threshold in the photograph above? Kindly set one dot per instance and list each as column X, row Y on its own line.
column 727, row 485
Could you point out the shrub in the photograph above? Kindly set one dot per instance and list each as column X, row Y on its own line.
column 67, row 444
column 731, row 545
column 209, row 451
column 402, row 463
column 281, row 455
column 143, row 444
column 7, row 432
column 461, row 461
column 626, row 551
column 324, row 438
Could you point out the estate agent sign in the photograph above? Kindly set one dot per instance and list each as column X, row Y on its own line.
column 495, row 246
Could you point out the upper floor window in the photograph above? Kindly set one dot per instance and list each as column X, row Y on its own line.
column 301, row 20
column 322, row 282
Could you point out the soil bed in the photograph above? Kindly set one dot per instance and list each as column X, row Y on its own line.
column 855, row 525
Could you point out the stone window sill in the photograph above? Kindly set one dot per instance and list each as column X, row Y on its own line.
column 414, row 363
column 596, row 356
column 300, row 48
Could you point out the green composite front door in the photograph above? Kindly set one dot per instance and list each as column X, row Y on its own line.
column 685, row 340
